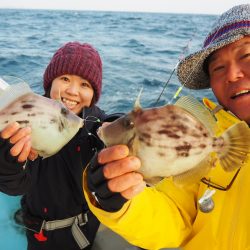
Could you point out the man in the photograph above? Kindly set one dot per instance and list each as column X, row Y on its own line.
column 169, row 216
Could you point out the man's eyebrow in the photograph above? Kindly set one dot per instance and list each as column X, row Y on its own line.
column 213, row 57
column 247, row 42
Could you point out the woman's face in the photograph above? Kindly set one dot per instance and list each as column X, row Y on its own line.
column 74, row 91
column 229, row 71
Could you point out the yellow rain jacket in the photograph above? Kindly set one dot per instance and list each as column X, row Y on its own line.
column 166, row 216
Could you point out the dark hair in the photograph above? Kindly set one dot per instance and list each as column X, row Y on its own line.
column 47, row 92
column 205, row 65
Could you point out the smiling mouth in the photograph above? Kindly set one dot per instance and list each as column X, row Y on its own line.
column 69, row 103
column 240, row 93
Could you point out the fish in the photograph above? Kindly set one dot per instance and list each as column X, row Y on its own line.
column 177, row 141
column 52, row 124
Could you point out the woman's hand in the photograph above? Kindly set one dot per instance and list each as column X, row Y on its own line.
column 21, row 140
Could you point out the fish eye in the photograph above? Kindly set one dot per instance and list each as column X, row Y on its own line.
column 128, row 123
column 64, row 111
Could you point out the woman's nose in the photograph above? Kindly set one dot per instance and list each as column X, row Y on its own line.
column 72, row 89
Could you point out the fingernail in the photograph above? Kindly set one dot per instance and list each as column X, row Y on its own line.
column 27, row 139
column 123, row 150
column 15, row 125
column 135, row 162
column 138, row 176
column 28, row 129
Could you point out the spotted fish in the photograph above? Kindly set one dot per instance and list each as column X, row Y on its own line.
column 52, row 124
column 177, row 140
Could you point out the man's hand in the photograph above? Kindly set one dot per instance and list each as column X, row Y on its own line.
column 21, row 140
column 112, row 177
column 120, row 171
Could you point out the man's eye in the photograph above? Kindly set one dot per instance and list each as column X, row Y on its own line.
column 218, row 68
column 247, row 55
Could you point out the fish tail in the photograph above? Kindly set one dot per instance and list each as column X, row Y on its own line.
column 13, row 92
column 233, row 146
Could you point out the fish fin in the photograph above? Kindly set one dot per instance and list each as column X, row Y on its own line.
column 198, row 110
column 82, row 123
column 3, row 85
column 137, row 105
column 195, row 174
column 153, row 181
column 13, row 92
column 236, row 147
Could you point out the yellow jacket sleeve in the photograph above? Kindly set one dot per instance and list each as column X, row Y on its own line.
column 164, row 212
column 166, row 216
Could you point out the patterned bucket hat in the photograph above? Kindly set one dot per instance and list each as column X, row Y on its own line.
column 232, row 25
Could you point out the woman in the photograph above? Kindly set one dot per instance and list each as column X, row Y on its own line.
column 54, row 209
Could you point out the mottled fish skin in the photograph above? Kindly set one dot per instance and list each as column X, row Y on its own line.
column 52, row 124
column 167, row 137
column 170, row 141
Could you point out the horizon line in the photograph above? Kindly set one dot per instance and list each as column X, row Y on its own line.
column 106, row 10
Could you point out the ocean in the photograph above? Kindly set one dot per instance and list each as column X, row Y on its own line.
column 138, row 50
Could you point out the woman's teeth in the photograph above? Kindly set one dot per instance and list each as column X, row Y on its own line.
column 69, row 102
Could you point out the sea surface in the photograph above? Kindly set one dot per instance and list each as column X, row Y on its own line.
column 139, row 50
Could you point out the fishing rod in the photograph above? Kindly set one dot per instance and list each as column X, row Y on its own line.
column 182, row 55
column 191, row 71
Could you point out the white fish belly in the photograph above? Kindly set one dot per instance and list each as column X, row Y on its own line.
column 51, row 128
column 167, row 163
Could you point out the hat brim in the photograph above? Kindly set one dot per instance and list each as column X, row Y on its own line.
column 190, row 70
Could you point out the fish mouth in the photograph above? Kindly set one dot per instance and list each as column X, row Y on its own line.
column 70, row 104
column 240, row 93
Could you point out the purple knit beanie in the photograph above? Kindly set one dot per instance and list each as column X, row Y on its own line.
column 79, row 59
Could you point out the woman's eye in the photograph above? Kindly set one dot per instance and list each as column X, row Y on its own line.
column 65, row 79
column 85, row 84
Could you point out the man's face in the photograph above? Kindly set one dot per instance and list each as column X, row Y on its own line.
column 229, row 71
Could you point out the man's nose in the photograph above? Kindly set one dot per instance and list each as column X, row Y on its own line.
column 234, row 72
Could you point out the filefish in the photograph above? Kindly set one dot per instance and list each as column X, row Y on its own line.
column 178, row 141
column 52, row 124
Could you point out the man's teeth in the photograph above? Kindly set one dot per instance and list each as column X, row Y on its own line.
column 69, row 102
column 241, row 92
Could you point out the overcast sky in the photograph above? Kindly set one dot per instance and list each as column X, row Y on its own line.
column 173, row 6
